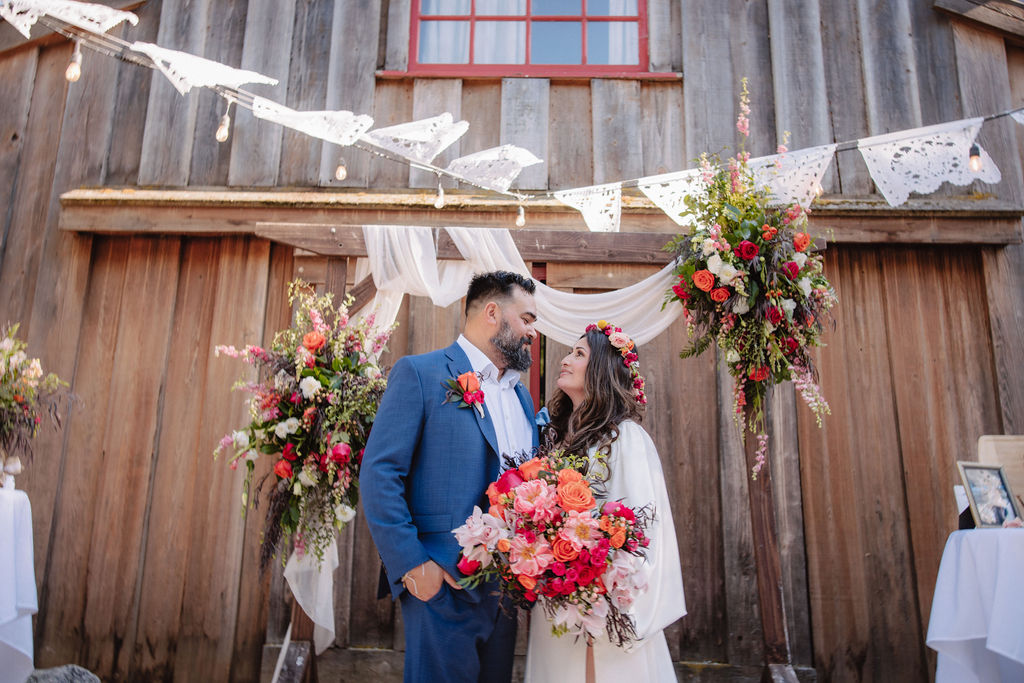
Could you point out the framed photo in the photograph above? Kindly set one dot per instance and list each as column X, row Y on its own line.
column 988, row 494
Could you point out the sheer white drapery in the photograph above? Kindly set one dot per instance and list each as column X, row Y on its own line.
column 313, row 588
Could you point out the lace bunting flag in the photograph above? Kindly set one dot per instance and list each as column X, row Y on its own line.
column 339, row 127
column 793, row 177
column 23, row 14
column 669, row 191
column 1018, row 116
column 186, row 71
column 601, row 205
column 419, row 140
column 920, row 160
column 495, row 168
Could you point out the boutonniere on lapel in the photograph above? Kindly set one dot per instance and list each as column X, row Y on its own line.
column 465, row 390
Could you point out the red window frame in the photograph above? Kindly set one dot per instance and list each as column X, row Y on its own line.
column 498, row 70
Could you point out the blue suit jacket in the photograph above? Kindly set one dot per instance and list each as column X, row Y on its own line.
column 426, row 464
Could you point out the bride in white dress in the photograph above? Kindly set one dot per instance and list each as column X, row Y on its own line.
column 597, row 409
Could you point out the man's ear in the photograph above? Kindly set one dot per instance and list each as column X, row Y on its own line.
column 492, row 313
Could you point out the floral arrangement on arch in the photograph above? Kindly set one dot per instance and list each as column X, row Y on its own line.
column 751, row 281
column 311, row 413
column 546, row 538
column 25, row 395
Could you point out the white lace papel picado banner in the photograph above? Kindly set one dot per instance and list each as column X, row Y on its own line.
column 340, row 127
column 793, row 177
column 1018, row 116
column 419, row 140
column 920, row 160
column 495, row 168
column 186, row 71
column 23, row 14
column 601, row 205
column 669, row 191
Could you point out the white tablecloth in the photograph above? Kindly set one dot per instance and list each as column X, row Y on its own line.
column 977, row 619
column 17, row 586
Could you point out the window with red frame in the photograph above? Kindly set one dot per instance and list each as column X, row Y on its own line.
column 528, row 37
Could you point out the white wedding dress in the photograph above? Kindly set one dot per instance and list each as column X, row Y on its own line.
column 636, row 479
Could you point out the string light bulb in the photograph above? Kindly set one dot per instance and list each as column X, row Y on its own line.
column 341, row 172
column 521, row 218
column 224, row 129
column 439, row 202
column 818, row 190
column 74, row 70
column 974, row 158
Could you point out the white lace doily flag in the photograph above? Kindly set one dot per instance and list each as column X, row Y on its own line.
column 313, row 588
column 793, row 177
column 339, row 127
column 601, row 205
column 669, row 191
column 419, row 140
column 23, row 14
column 495, row 168
column 920, row 160
column 186, row 71
column 1018, row 116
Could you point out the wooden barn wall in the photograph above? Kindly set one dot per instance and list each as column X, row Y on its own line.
column 145, row 569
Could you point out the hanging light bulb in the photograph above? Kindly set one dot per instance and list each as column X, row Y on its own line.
column 974, row 159
column 340, row 173
column 224, row 129
column 74, row 71
column 521, row 218
column 818, row 190
column 439, row 202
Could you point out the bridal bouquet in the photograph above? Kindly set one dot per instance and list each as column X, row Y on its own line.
column 751, row 281
column 311, row 413
column 547, row 539
column 25, row 394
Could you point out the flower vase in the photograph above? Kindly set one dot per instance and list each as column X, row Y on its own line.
column 10, row 465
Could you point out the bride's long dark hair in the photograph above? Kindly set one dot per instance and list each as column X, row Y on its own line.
column 607, row 401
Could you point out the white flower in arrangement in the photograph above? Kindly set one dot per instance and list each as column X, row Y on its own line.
column 309, row 386
column 344, row 513
column 805, row 286
column 18, row 358
column 709, row 246
column 371, row 371
column 715, row 263
column 281, row 430
column 298, row 489
column 240, row 439
column 292, row 424
column 6, row 345
column 281, row 380
column 728, row 274
column 306, row 478
column 732, row 356
column 251, row 455
column 788, row 305
column 261, row 434
column 741, row 306
column 800, row 258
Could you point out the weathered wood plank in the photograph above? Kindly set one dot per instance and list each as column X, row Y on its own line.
column 525, row 111
column 266, row 49
column 392, row 104
column 213, row 579
column 985, row 88
column 167, row 141
column 570, row 159
column 933, row 46
column 855, row 516
column 131, row 431
column 617, row 116
column 399, row 17
column 662, row 35
column 171, row 513
column 211, row 160
column 941, row 413
column 664, row 142
column 589, row 275
column 307, row 91
column 1004, row 289
column 481, row 106
column 891, row 88
column 430, row 97
column 350, row 82
column 60, row 633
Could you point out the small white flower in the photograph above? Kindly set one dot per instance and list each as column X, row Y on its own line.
column 18, row 358
column 281, row 380
column 281, row 430
column 292, row 424
column 344, row 513
column 371, row 372
column 805, row 286
column 309, row 386
column 7, row 344
column 709, row 246
column 800, row 258
column 715, row 264
column 305, row 478
column 732, row 356
column 788, row 305
column 727, row 274
column 741, row 306
column 297, row 490
column 251, row 455
column 240, row 439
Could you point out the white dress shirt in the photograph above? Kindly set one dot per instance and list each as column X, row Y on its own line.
column 512, row 426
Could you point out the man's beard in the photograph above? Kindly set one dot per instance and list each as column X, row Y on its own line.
column 516, row 352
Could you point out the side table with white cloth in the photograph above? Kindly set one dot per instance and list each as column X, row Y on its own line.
column 18, row 601
column 977, row 619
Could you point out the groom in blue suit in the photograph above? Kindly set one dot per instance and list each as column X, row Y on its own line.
column 428, row 462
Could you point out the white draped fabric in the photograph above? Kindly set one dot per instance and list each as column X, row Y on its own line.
column 18, row 600
column 636, row 479
column 404, row 260
column 313, row 588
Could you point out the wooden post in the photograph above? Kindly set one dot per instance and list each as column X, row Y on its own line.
column 769, row 565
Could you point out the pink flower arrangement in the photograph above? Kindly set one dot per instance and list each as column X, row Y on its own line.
column 548, row 541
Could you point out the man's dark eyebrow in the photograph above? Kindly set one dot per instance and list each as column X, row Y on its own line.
column 533, row 316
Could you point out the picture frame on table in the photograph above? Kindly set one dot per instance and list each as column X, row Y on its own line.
column 988, row 494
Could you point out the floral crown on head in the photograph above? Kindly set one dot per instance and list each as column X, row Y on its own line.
column 621, row 341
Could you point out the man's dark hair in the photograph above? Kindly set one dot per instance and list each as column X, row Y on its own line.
column 496, row 285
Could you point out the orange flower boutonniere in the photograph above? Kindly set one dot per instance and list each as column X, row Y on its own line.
column 465, row 390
